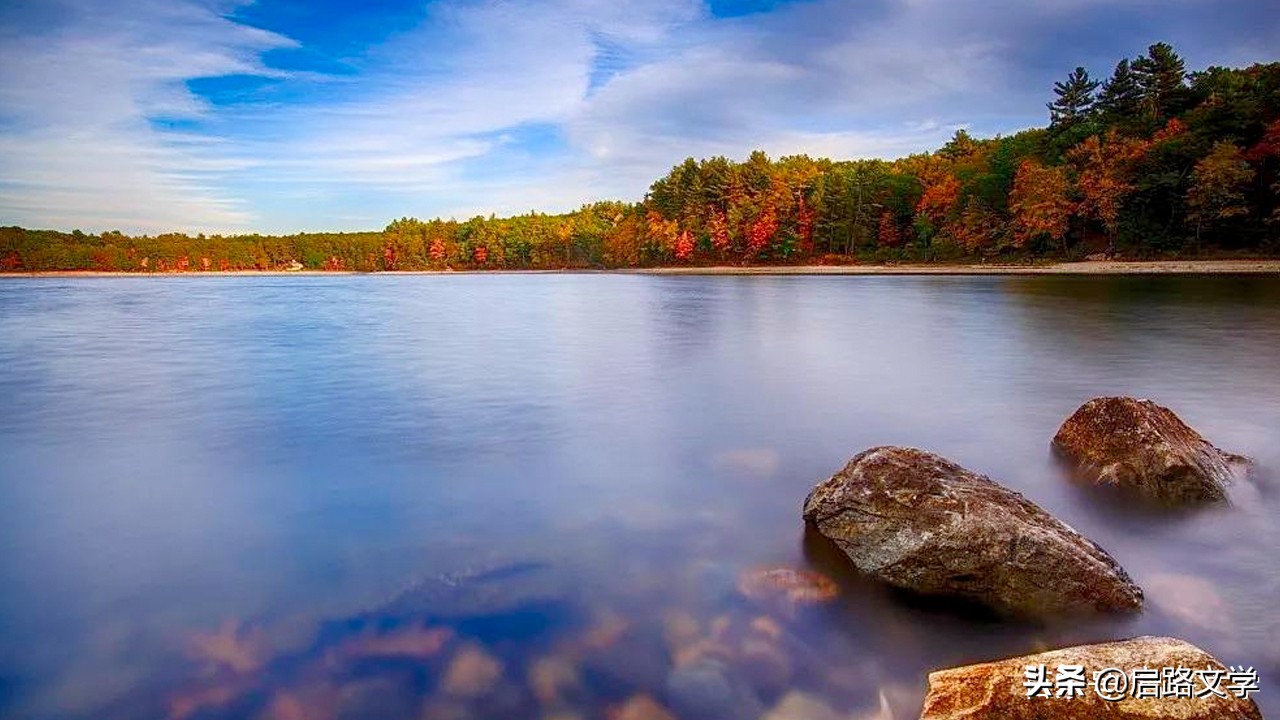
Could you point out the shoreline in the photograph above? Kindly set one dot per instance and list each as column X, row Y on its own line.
column 1105, row 267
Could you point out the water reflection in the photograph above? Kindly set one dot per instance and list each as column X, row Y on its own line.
column 509, row 496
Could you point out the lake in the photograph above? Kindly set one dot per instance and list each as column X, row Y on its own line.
column 522, row 495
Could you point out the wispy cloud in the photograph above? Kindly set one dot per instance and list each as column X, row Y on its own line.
column 442, row 107
column 81, row 93
column 498, row 106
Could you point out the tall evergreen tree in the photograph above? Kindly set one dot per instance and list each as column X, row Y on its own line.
column 1121, row 96
column 1075, row 97
column 960, row 145
column 1162, row 76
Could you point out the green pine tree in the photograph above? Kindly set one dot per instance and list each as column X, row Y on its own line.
column 1121, row 96
column 1075, row 98
column 1162, row 76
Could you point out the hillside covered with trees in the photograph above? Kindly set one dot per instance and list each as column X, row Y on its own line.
column 1151, row 161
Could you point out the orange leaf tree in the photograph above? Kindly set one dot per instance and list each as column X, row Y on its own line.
column 941, row 194
column 1106, row 176
column 662, row 233
column 1040, row 203
column 718, row 229
column 975, row 229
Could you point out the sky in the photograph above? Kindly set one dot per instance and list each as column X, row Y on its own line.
column 310, row 115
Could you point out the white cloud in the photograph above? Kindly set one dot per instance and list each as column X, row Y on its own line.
column 79, row 147
column 452, row 90
column 814, row 78
column 501, row 106
column 432, row 123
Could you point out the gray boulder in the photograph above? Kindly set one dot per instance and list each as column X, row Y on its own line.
column 920, row 522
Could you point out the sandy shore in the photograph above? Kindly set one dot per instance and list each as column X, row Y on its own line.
column 1110, row 267
column 1157, row 267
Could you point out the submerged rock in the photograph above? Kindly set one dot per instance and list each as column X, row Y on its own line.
column 798, row 705
column 680, row 630
column 998, row 690
column 787, row 588
column 920, row 522
column 472, row 673
column 709, row 690
column 767, row 627
column 233, row 647
column 765, row 665
column 702, row 650
column 554, row 679
column 640, row 707
column 306, row 703
column 1190, row 600
column 1144, row 448
column 415, row 643
column 442, row 709
column 621, row 657
column 379, row 698
column 481, row 589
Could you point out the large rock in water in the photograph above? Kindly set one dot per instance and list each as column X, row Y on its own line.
column 1144, row 447
column 998, row 690
column 919, row 521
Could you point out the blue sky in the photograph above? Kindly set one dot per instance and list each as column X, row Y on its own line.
column 289, row 115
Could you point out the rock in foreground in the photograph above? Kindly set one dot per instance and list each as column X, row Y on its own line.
column 999, row 691
column 920, row 522
column 1145, row 448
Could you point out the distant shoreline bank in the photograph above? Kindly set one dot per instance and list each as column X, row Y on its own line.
column 1106, row 267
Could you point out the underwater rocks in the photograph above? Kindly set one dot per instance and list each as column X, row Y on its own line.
column 1011, row 689
column 785, row 590
column 472, row 673
column 799, row 705
column 709, row 689
column 1144, row 448
column 554, row 680
column 923, row 523
column 640, row 707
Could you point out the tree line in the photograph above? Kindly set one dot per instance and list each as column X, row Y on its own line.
column 1151, row 161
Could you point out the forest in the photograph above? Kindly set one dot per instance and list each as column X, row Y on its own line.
column 1151, row 161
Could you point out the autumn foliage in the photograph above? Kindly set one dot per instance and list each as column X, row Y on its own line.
column 1040, row 203
column 1106, row 175
column 1218, row 186
column 1153, row 160
column 939, row 198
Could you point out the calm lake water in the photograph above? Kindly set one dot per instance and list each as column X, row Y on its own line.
column 517, row 496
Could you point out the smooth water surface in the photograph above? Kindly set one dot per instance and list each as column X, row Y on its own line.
column 310, row 496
